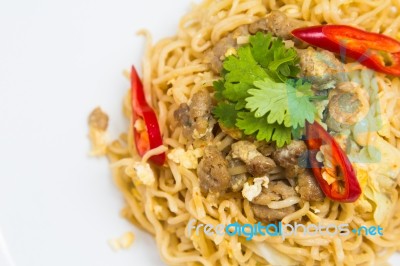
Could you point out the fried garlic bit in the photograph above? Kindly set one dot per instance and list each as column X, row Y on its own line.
column 98, row 123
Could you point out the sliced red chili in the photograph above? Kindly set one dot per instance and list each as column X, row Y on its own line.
column 373, row 50
column 344, row 187
column 148, row 137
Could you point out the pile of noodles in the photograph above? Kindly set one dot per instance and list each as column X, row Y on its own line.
column 173, row 70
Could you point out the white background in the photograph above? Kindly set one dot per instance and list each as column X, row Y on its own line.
column 59, row 60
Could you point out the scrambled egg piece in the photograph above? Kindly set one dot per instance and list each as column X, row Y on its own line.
column 251, row 191
column 143, row 173
column 377, row 179
column 188, row 159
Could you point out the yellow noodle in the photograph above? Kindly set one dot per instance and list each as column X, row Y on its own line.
column 284, row 203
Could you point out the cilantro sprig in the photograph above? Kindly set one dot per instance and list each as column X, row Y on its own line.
column 285, row 103
column 260, row 94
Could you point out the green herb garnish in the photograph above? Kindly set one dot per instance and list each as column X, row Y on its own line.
column 260, row 94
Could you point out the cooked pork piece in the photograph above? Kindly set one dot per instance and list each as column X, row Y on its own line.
column 348, row 103
column 202, row 126
column 257, row 164
column 217, row 54
column 289, row 158
column 213, row 171
column 237, row 181
column 260, row 165
column 277, row 23
column 222, row 47
column 289, row 154
column 267, row 215
column 234, row 133
column 98, row 119
column 277, row 190
column 195, row 117
column 259, row 25
column 293, row 171
column 182, row 115
column 265, row 148
column 322, row 69
column 200, row 104
column 334, row 125
column 309, row 189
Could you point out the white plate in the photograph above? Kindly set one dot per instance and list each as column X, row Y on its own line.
column 58, row 60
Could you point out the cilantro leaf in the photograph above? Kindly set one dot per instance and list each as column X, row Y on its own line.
column 278, row 61
column 242, row 71
column 301, row 108
column 261, row 48
column 258, row 95
column 282, row 103
column 241, row 104
column 262, row 129
column 219, row 89
column 226, row 114
column 270, row 98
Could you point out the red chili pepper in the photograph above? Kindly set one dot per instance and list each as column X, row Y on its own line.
column 373, row 50
column 149, row 137
column 345, row 187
